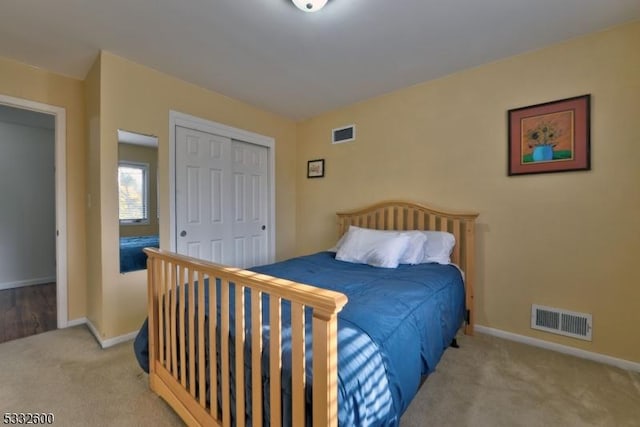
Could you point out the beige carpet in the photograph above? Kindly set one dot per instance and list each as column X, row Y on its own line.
column 486, row 382
column 65, row 372
column 493, row 382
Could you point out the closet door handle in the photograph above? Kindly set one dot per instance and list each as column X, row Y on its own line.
column 183, row 233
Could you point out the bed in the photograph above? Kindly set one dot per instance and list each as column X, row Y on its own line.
column 132, row 256
column 308, row 341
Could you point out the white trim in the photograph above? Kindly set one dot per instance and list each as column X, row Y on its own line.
column 110, row 342
column 61, row 195
column 30, row 282
column 185, row 120
column 77, row 322
column 583, row 354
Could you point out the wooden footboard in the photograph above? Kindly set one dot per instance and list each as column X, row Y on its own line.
column 178, row 343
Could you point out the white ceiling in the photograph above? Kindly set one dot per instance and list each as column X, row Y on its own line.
column 270, row 54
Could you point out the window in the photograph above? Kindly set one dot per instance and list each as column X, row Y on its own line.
column 133, row 184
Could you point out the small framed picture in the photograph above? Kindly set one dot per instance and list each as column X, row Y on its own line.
column 315, row 168
column 550, row 137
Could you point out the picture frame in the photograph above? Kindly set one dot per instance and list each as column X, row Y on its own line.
column 315, row 168
column 550, row 137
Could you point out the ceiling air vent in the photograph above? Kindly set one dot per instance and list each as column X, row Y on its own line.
column 343, row 134
column 562, row 322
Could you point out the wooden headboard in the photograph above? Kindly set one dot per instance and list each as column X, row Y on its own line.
column 404, row 215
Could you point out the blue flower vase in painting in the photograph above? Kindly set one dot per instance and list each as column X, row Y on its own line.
column 542, row 153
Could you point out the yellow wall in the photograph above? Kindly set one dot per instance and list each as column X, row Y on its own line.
column 94, row 238
column 567, row 240
column 139, row 99
column 33, row 84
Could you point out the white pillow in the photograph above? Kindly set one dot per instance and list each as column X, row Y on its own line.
column 372, row 247
column 439, row 246
column 413, row 254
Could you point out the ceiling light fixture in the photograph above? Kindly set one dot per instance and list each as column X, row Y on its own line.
column 310, row 5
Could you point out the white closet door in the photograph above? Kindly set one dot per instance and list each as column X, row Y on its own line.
column 221, row 198
column 249, row 194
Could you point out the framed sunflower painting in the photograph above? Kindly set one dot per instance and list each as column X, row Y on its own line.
column 550, row 137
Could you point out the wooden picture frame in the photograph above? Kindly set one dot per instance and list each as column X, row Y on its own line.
column 550, row 137
column 315, row 168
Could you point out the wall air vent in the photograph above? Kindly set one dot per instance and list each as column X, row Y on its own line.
column 562, row 322
column 343, row 134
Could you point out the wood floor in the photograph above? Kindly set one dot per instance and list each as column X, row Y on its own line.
column 27, row 311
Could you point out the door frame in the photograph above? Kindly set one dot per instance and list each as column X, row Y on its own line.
column 177, row 118
column 60, row 162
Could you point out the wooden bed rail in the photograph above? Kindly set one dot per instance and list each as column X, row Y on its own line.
column 178, row 344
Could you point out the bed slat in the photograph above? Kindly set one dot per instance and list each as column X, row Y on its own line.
column 297, row 363
column 398, row 224
column 239, row 342
column 213, row 345
column 410, row 219
column 421, row 216
column 275, row 359
column 325, row 395
column 158, row 277
column 380, row 220
column 172, row 319
column 444, row 224
column 256, row 353
column 224, row 350
column 389, row 223
column 201, row 342
column 192, row 337
column 166, row 284
column 469, row 265
column 455, row 229
column 181, row 338
column 152, row 294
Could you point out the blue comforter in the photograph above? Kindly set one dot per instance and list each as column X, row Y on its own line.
column 393, row 330
column 132, row 257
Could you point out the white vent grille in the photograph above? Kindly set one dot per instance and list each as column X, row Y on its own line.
column 343, row 134
column 562, row 322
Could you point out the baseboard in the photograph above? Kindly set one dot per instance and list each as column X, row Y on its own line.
column 77, row 322
column 583, row 354
column 30, row 282
column 104, row 343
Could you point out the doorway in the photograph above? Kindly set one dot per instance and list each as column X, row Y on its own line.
column 50, row 286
